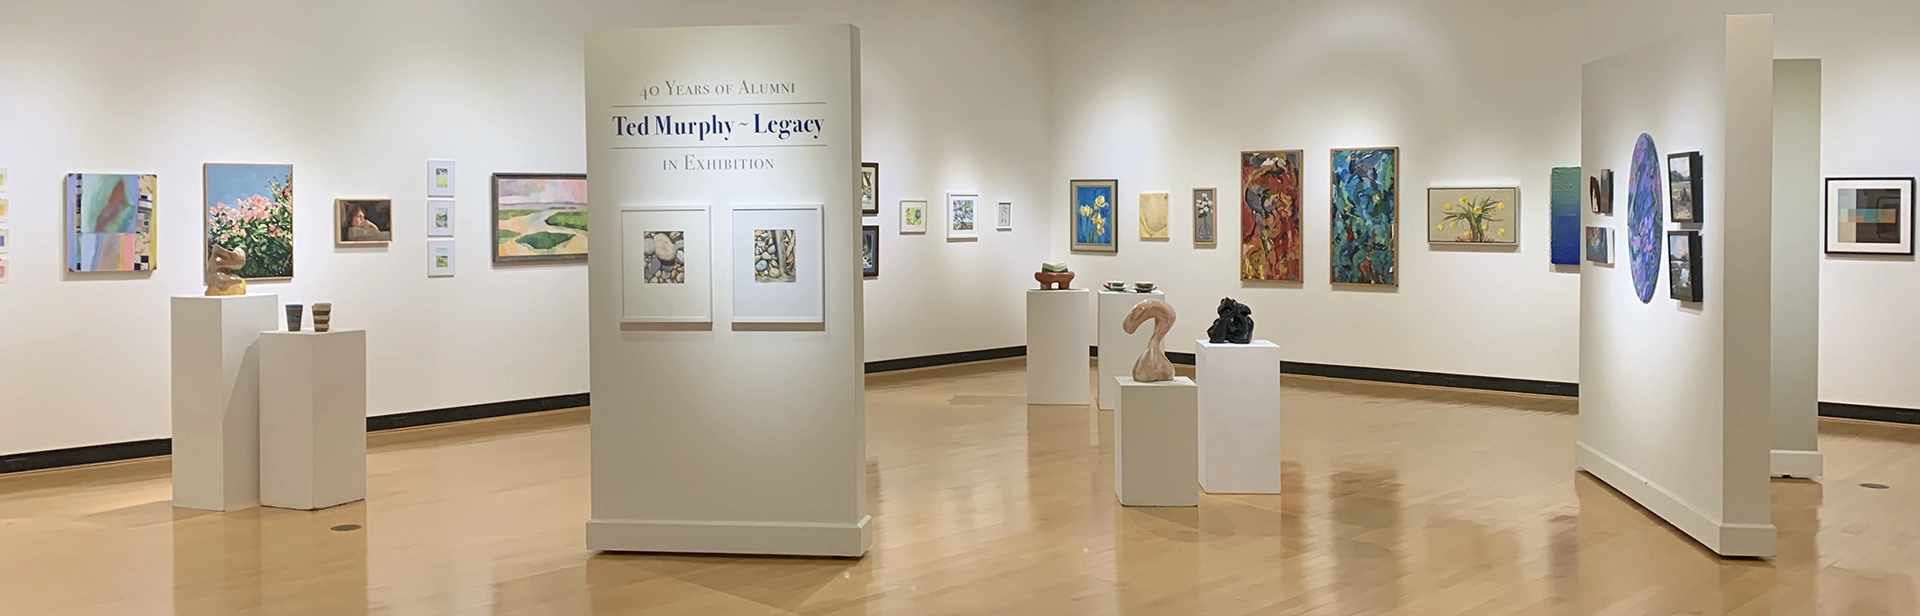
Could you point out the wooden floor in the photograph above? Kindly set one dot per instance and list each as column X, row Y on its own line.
column 1398, row 500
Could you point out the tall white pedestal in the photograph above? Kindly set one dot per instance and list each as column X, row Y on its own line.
column 1057, row 343
column 313, row 418
column 1156, row 449
column 216, row 399
column 1239, row 417
column 1118, row 349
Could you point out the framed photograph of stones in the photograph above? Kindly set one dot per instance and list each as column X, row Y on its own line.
column 869, row 189
column 1684, row 266
column 1684, row 184
column 1870, row 216
column 778, row 264
column 870, row 251
column 666, row 264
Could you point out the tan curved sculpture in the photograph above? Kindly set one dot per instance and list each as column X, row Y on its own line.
column 221, row 281
column 1152, row 367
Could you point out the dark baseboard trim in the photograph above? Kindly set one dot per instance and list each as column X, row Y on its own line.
column 91, row 454
column 478, row 411
column 1886, row 414
column 1434, row 379
column 944, row 359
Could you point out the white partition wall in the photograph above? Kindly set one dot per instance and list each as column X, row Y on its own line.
column 725, row 436
column 216, row 399
column 1674, row 407
column 1797, row 225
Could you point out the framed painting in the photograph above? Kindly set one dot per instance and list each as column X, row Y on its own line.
column 1684, row 266
column 539, row 217
column 3, row 270
column 440, row 218
column 1003, row 216
column 869, row 189
column 913, row 217
column 362, row 222
column 870, row 251
column 1270, row 246
column 1684, row 185
column 1869, row 216
column 4, row 204
column 963, row 216
column 3, row 179
column 1563, row 208
column 1473, row 216
column 440, row 256
column 666, row 265
column 440, row 180
column 1091, row 210
column 1153, row 216
column 1600, row 245
column 1600, row 192
column 1366, row 213
column 1205, row 216
column 5, row 238
column 250, row 207
column 110, row 223
column 778, row 267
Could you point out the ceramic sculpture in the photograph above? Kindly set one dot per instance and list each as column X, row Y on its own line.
column 1235, row 325
column 1152, row 367
column 322, row 316
column 221, row 281
column 1054, row 276
column 293, row 317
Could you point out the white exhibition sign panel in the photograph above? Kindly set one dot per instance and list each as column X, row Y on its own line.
column 777, row 264
column 747, row 438
column 666, row 264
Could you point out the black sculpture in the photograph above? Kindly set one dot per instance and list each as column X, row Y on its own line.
column 1235, row 325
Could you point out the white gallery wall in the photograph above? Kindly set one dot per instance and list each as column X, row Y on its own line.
column 358, row 94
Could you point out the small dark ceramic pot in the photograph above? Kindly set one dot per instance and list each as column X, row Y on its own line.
column 293, row 316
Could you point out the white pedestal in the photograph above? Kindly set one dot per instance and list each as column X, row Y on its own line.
column 1156, row 445
column 1057, row 343
column 313, row 418
column 216, row 399
column 1118, row 349
column 1239, row 417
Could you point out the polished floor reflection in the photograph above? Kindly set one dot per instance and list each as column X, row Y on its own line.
column 1398, row 500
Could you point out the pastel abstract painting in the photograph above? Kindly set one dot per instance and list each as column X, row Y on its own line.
column 1270, row 247
column 539, row 217
column 110, row 219
column 1153, row 216
column 1366, row 211
column 250, row 207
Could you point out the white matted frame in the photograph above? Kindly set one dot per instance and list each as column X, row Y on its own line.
column 440, row 217
column 441, row 258
column 963, row 216
column 1870, row 216
column 913, row 217
column 802, row 300
column 689, row 301
column 441, row 179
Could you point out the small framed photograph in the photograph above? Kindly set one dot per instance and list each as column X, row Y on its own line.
column 362, row 222
column 1003, row 216
column 440, row 218
column 913, row 217
column 1870, row 216
column 440, row 180
column 1684, row 184
column 870, row 251
column 1684, row 266
column 778, row 264
column 963, row 216
column 1600, row 192
column 1600, row 245
column 869, row 189
column 440, row 257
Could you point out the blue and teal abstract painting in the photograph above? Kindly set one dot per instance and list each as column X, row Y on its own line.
column 1566, row 216
column 1093, row 215
column 1366, row 211
column 1644, row 219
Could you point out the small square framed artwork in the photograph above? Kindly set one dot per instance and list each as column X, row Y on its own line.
column 6, row 241
column 440, row 258
column 963, row 216
column 870, row 251
column 362, row 222
column 913, row 217
column 1600, row 192
column 869, row 189
column 440, row 217
column 3, row 270
column 4, row 205
column 1684, row 266
column 1870, row 216
column 1003, row 216
column 440, row 178
column 1684, row 185
column 1600, row 245
column 1205, row 216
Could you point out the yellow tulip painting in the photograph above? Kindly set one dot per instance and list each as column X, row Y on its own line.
column 1473, row 216
column 1153, row 216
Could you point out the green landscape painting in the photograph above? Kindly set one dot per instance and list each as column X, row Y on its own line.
column 539, row 217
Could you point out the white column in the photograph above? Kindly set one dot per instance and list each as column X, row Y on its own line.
column 1118, row 349
column 1239, row 417
column 1057, row 333
column 313, row 418
column 1798, row 220
column 1156, row 443
column 216, row 399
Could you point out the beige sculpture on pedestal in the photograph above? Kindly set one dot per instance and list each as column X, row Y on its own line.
column 221, row 281
column 1152, row 367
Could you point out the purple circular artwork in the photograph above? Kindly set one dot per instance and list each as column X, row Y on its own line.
column 1644, row 218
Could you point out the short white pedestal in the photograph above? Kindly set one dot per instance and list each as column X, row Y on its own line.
column 1057, row 343
column 216, row 399
column 313, row 418
column 1118, row 349
column 1239, row 417
column 1156, row 443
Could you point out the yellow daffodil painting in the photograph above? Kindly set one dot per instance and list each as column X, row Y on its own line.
column 1093, row 211
column 1473, row 216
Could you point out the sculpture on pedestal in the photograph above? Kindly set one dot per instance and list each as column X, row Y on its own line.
column 220, row 279
column 1235, row 325
column 1152, row 367
column 1054, row 276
